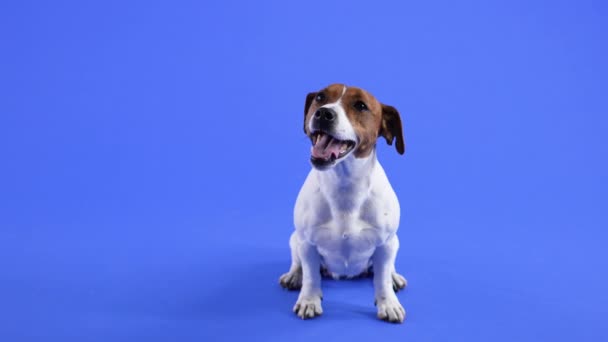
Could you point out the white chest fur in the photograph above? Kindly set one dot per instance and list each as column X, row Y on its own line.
column 346, row 216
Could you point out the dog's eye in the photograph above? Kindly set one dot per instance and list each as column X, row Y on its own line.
column 360, row 106
column 320, row 97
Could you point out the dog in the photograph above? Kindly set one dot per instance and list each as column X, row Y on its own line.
column 346, row 215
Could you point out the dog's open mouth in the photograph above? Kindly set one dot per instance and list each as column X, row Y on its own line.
column 326, row 149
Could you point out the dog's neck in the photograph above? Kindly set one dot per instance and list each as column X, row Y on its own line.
column 347, row 179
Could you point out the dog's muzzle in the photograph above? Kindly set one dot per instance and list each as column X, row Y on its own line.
column 326, row 148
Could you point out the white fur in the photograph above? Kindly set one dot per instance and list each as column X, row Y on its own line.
column 346, row 218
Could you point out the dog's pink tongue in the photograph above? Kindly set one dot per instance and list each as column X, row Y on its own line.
column 325, row 147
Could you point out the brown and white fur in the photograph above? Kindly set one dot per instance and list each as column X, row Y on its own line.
column 347, row 214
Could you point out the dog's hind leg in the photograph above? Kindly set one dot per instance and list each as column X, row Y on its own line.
column 292, row 280
column 399, row 282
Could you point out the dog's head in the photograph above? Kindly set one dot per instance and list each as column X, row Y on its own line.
column 343, row 121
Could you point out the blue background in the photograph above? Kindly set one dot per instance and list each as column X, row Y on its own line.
column 151, row 154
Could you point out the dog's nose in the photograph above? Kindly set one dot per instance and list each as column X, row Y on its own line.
column 325, row 114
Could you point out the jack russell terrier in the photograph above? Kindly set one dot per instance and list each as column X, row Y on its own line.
column 347, row 214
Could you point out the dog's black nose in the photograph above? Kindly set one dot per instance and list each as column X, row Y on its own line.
column 325, row 115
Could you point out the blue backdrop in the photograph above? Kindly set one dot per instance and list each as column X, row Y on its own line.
column 151, row 154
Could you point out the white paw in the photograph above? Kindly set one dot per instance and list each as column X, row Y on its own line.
column 291, row 280
column 390, row 310
column 308, row 307
column 399, row 282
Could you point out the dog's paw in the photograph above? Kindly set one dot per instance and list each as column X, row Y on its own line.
column 399, row 282
column 390, row 310
column 291, row 280
column 308, row 307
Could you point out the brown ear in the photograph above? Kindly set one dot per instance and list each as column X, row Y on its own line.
column 309, row 98
column 391, row 128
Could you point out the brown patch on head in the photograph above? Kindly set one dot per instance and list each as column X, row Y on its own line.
column 365, row 115
column 370, row 118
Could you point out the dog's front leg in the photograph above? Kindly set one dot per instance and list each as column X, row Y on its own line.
column 309, row 300
column 389, row 308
